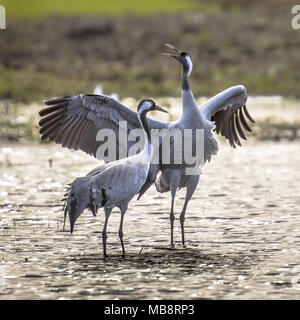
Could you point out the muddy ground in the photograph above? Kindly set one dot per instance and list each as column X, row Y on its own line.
column 242, row 231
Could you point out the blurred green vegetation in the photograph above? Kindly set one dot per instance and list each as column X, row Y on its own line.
column 33, row 9
column 231, row 42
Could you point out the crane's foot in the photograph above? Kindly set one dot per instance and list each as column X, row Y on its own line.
column 172, row 245
column 183, row 242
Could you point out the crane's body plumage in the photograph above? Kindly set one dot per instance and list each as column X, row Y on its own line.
column 118, row 174
column 74, row 122
column 113, row 184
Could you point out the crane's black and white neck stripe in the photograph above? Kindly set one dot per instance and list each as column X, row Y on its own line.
column 144, row 107
column 185, row 60
column 187, row 67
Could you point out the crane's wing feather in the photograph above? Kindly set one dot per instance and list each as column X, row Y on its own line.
column 74, row 121
column 229, row 112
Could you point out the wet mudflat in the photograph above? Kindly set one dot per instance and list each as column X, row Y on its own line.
column 242, row 231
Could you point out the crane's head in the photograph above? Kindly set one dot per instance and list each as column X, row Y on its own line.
column 147, row 105
column 183, row 57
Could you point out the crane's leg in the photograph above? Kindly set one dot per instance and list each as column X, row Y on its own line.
column 104, row 235
column 172, row 217
column 174, row 183
column 190, row 189
column 121, row 229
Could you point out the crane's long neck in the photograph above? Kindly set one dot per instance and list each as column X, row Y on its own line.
column 190, row 110
column 189, row 105
column 184, row 79
column 144, row 123
column 187, row 67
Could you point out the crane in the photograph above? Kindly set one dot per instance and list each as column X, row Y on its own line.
column 113, row 184
column 75, row 120
column 222, row 113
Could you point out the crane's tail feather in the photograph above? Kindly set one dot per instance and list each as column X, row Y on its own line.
column 82, row 194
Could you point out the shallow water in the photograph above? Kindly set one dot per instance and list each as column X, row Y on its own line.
column 242, row 231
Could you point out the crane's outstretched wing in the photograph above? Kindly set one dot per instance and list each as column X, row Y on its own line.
column 228, row 110
column 74, row 122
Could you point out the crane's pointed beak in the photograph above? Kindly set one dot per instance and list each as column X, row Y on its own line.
column 173, row 48
column 160, row 109
column 175, row 56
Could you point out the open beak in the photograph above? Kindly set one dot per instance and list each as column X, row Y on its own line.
column 175, row 56
column 160, row 109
